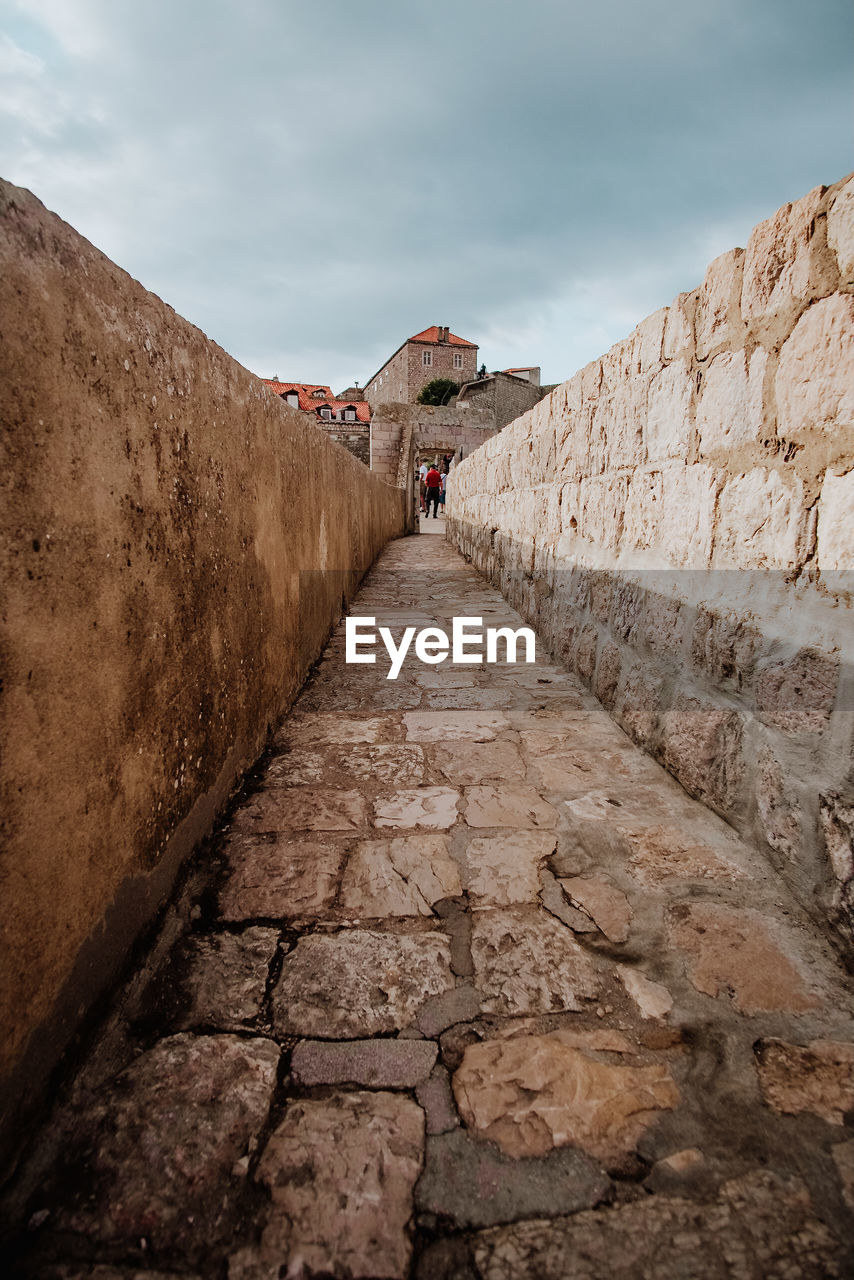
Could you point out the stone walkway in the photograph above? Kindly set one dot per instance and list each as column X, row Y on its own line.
column 467, row 988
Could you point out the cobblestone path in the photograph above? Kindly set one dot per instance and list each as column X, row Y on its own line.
column 467, row 987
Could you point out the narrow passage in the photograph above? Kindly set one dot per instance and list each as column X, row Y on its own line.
column 466, row 989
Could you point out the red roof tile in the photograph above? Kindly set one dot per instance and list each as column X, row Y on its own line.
column 432, row 335
column 311, row 403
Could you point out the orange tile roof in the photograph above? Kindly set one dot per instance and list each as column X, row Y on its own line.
column 311, row 403
column 432, row 335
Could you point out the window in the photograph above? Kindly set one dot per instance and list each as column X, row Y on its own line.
column 318, row 394
column 458, row 360
column 292, row 399
column 349, row 415
column 326, row 413
column 426, row 359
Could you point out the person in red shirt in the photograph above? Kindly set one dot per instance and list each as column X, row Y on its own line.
column 433, row 482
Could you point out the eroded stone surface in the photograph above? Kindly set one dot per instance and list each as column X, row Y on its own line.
column 734, row 951
column 760, row 1225
column 157, row 1150
column 435, row 1097
column 526, row 962
column 303, row 809
column 662, row 854
column 279, row 879
column 606, row 905
column 226, row 977
column 509, row 805
column 399, row 877
column 433, row 807
column 359, row 983
column 340, row 1173
column 503, row 869
column 817, row 1077
column 382, row 1064
column 464, row 763
column 399, row 765
column 533, row 1093
column 843, row 1157
column 443, row 726
column 652, row 999
column 475, row 1185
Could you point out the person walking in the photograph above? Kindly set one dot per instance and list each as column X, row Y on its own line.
column 422, row 487
column 433, row 484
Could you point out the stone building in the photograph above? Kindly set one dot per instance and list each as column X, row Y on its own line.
column 346, row 420
column 433, row 353
column 502, row 394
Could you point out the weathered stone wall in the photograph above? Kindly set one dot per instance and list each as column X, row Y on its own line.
column 435, row 427
column 504, row 396
column 678, row 520
column 355, row 437
column 177, row 543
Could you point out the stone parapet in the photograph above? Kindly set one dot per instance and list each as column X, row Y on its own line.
column 177, row 545
column 678, row 521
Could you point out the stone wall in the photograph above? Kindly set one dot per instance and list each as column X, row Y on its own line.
column 436, row 428
column 678, row 521
column 177, row 543
column 503, row 395
column 355, row 437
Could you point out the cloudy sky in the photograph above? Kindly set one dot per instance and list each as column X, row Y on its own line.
column 313, row 181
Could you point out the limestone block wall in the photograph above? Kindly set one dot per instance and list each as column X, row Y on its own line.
column 678, row 521
column 176, row 545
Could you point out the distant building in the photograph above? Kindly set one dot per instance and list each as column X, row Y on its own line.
column 433, row 353
column 505, row 395
column 530, row 372
column 346, row 420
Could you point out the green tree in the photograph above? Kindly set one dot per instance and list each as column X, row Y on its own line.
column 438, row 391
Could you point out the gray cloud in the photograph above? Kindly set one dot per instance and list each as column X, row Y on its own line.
column 310, row 185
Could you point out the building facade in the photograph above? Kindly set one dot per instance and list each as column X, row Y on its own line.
column 346, row 421
column 433, row 353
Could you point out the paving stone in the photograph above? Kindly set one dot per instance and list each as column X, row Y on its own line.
column 600, row 898
column 155, row 1153
column 464, row 763
column 279, row 879
column 526, row 962
column 760, row 1225
column 381, row 1064
column 555, row 902
column 303, row 809
column 734, row 951
column 434, row 807
column 400, row 877
column 396, row 765
column 509, row 805
column 445, row 726
column 533, row 1093
column 478, row 699
column 435, row 1097
column 474, row 1184
column 503, row 869
column 359, row 983
column 226, row 978
column 663, row 854
column 652, row 999
column 340, row 1173
column 817, row 1077
column 307, row 730
column 459, row 1005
